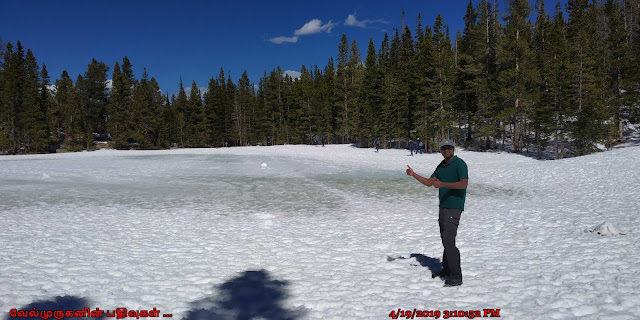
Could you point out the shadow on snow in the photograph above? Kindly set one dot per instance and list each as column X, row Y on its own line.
column 251, row 295
column 434, row 265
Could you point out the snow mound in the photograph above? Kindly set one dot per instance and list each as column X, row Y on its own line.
column 604, row 229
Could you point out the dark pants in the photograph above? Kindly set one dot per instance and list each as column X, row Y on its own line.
column 449, row 220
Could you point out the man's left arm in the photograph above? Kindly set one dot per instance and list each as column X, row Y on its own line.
column 462, row 184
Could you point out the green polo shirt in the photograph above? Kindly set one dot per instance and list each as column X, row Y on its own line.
column 453, row 171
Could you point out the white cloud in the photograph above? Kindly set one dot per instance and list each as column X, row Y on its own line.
column 280, row 40
column 314, row 26
column 293, row 74
column 311, row 27
column 352, row 21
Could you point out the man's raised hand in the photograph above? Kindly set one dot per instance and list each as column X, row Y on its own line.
column 409, row 171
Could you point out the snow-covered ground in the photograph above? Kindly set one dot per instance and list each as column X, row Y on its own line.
column 333, row 233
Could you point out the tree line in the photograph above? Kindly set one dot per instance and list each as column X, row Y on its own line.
column 560, row 83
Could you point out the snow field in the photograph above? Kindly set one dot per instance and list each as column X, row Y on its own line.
column 330, row 233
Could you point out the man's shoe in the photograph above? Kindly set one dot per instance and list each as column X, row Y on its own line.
column 452, row 283
column 441, row 274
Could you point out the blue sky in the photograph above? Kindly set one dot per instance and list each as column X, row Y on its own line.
column 194, row 39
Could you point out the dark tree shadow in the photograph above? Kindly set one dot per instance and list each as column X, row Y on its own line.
column 434, row 265
column 62, row 303
column 252, row 295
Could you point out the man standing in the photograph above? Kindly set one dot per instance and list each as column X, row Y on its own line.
column 451, row 177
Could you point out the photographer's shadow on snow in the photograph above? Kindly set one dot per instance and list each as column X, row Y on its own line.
column 434, row 265
column 251, row 295
column 54, row 304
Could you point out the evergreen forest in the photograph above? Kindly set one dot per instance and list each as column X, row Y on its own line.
column 562, row 81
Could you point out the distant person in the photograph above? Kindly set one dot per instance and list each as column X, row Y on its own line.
column 315, row 140
column 420, row 146
column 411, row 146
column 376, row 143
column 451, row 177
column 324, row 140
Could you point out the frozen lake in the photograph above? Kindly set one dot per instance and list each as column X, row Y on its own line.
column 200, row 182
column 331, row 232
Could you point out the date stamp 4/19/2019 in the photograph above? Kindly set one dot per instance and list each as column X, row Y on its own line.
column 445, row 314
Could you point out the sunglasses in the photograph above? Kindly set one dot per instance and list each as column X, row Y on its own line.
column 443, row 148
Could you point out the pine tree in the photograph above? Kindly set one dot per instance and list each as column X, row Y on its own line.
column 146, row 107
column 302, row 116
column 93, row 100
column 389, row 90
column 222, row 110
column 443, row 78
column 195, row 120
column 371, row 96
column 485, row 43
column 245, row 109
column 425, row 91
column 31, row 123
column 469, row 68
column 496, row 107
column 276, row 88
column 288, row 106
column 118, row 108
column 516, row 72
column 159, row 133
column 261, row 132
column 182, row 118
column 211, row 105
column 267, row 101
column 559, row 79
column 232, row 130
column 46, row 103
column 354, row 71
column 54, row 115
column 342, row 91
column 328, row 110
column 170, row 132
column 619, row 68
column 405, row 78
column 632, row 27
column 12, row 77
column 542, row 116
column 67, row 117
column 588, row 85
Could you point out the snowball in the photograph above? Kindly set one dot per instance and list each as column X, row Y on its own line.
column 264, row 165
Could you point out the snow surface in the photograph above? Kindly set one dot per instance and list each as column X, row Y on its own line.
column 333, row 233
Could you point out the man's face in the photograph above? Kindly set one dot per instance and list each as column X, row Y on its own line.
column 447, row 152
